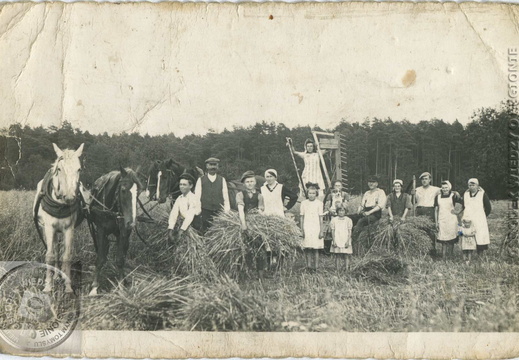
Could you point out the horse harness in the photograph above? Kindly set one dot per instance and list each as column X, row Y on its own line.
column 54, row 208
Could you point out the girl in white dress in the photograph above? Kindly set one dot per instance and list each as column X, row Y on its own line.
column 312, row 226
column 341, row 226
column 468, row 239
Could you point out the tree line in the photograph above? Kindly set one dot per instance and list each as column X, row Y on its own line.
column 391, row 149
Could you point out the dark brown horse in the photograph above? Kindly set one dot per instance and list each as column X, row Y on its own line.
column 163, row 181
column 113, row 211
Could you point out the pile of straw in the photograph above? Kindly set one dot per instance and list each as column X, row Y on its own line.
column 410, row 238
column 191, row 256
column 186, row 256
column 223, row 306
column 382, row 270
column 235, row 252
column 149, row 302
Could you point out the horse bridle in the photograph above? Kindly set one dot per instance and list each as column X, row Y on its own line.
column 60, row 197
column 170, row 194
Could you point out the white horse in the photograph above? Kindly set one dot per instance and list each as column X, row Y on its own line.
column 57, row 209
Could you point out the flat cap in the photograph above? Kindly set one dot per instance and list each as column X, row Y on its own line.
column 212, row 160
column 425, row 174
column 247, row 174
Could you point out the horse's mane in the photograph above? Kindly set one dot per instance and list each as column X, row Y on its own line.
column 105, row 186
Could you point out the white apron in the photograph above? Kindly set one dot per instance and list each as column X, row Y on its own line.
column 447, row 221
column 273, row 201
column 475, row 211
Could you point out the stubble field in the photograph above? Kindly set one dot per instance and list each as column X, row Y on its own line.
column 379, row 293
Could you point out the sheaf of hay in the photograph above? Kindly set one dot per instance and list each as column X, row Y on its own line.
column 235, row 252
column 409, row 238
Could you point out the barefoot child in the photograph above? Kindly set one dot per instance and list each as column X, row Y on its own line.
column 341, row 237
column 468, row 240
column 312, row 226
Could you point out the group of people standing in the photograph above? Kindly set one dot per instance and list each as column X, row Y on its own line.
column 455, row 216
column 211, row 195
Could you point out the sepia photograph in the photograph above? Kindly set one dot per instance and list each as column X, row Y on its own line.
column 305, row 173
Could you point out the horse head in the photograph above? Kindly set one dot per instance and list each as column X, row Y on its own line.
column 65, row 174
column 168, row 178
column 128, row 190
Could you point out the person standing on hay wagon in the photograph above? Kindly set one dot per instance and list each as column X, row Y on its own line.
column 276, row 198
column 477, row 207
column 398, row 203
column 447, row 218
column 312, row 171
column 211, row 190
column 186, row 207
column 370, row 209
column 311, row 213
column 341, row 227
column 425, row 196
column 248, row 200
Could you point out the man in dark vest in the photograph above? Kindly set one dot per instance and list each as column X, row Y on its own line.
column 212, row 191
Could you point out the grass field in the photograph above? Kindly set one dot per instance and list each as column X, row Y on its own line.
column 412, row 294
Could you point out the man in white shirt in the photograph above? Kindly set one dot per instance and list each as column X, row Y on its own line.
column 211, row 190
column 186, row 207
column 370, row 209
column 425, row 196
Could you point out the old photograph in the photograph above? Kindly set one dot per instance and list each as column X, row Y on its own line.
column 286, row 174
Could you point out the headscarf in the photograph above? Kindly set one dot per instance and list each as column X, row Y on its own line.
column 448, row 183
column 398, row 181
column 272, row 172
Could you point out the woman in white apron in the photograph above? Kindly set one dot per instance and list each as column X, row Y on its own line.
column 477, row 208
column 275, row 198
column 447, row 218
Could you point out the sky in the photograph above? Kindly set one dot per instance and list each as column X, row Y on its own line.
column 182, row 69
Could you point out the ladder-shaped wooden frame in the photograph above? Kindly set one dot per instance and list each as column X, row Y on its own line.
column 337, row 144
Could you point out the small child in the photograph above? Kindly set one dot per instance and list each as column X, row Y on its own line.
column 312, row 226
column 341, row 237
column 468, row 240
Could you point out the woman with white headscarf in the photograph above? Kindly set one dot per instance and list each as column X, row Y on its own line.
column 276, row 196
column 446, row 217
column 477, row 208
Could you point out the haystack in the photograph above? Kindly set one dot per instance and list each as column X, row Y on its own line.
column 384, row 270
column 234, row 252
column 186, row 256
column 409, row 238
column 150, row 302
column 223, row 306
